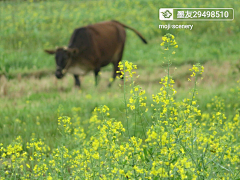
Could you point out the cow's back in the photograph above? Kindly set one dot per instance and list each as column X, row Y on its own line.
column 108, row 39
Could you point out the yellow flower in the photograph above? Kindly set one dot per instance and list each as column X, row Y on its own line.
column 49, row 178
column 96, row 155
column 164, row 38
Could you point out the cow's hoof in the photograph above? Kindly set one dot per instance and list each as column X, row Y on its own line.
column 77, row 87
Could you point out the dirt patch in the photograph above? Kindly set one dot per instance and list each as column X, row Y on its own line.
column 215, row 75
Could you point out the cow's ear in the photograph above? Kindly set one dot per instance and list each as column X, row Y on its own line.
column 73, row 51
column 50, row 51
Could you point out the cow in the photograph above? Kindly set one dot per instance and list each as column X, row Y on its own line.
column 92, row 47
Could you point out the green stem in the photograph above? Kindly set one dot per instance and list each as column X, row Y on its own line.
column 62, row 164
column 125, row 100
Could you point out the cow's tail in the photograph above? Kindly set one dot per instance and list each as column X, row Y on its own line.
column 138, row 33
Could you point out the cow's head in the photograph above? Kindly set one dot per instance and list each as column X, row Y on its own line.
column 63, row 57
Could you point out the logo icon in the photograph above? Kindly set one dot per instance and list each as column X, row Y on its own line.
column 166, row 14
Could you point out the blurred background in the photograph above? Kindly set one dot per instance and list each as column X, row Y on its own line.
column 28, row 27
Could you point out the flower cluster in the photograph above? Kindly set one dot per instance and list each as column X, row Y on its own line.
column 169, row 42
column 126, row 69
column 64, row 124
column 196, row 69
column 137, row 99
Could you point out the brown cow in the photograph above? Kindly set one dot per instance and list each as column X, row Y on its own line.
column 92, row 47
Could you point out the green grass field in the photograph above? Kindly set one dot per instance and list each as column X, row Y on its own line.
column 51, row 130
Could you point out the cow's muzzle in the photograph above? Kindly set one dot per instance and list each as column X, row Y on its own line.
column 59, row 73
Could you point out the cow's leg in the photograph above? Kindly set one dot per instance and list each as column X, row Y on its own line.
column 77, row 81
column 96, row 71
column 116, row 68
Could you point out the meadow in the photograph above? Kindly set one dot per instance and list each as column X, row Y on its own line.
column 175, row 115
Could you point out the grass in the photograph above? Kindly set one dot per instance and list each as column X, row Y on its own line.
column 35, row 106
